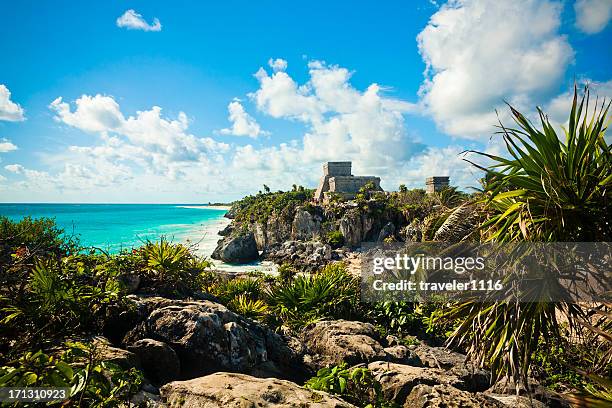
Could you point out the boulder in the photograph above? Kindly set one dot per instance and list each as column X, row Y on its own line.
column 207, row 337
column 158, row 360
column 518, row 401
column 307, row 256
column 398, row 380
column 231, row 390
column 443, row 396
column 226, row 231
column 333, row 342
column 237, row 249
column 123, row 358
column 129, row 281
column 474, row 378
column 342, row 340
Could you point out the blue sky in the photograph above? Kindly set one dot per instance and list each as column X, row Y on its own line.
column 233, row 95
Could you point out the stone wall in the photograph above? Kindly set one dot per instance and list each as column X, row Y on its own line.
column 352, row 184
column 433, row 184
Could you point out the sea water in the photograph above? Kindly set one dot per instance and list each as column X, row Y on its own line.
column 113, row 227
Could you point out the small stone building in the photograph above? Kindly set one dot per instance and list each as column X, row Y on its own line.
column 337, row 178
column 433, row 184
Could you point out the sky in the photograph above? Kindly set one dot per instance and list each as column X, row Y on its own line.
column 191, row 102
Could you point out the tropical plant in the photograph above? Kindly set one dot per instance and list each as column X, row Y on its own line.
column 330, row 293
column 356, row 385
column 88, row 380
column 231, row 289
column 548, row 190
column 254, row 309
column 172, row 266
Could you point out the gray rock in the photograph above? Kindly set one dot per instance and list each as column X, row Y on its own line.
column 305, row 226
column 207, row 337
column 351, row 227
column 123, row 358
column 402, row 354
column 343, row 341
column 237, row 249
column 333, row 342
column 398, row 380
column 159, row 361
column 387, row 231
column 442, row 396
column 129, row 281
column 239, row 390
column 474, row 378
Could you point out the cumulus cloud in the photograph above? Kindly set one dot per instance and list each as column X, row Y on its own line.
column 558, row 108
column 277, row 64
column 129, row 147
column 9, row 110
column 341, row 121
column 134, row 21
column 6, row 146
column 481, row 52
column 243, row 124
column 592, row 16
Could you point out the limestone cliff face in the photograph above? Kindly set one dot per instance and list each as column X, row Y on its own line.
column 314, row 222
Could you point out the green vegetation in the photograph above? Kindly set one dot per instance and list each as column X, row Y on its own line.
column 335, row 239
column 262, row 206
column 52, row 291
column 89, row 381
column 356, row 385
column 549, row 190
column 331, row 293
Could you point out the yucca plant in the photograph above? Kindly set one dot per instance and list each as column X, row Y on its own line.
column 547, row 190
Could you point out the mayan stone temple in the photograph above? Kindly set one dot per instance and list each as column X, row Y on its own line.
column 433, row 184
column 337, row 179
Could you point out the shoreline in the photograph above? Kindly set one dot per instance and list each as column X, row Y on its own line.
column 207, row 207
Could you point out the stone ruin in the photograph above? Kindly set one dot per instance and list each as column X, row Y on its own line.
column 433, row 184
column 337, row 179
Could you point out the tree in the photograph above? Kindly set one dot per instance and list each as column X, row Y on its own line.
column 546, row 190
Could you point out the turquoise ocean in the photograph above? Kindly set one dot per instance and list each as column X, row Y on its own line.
column 113, row 227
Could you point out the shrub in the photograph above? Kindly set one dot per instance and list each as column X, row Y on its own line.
column 254, row 309
column 172, row 267
column 90, row 381
column 355, row 385
column 335, row 239
column 331, row 293
column 231, row 289
column 547, row 190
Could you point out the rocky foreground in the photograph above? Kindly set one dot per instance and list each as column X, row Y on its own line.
column 197, row 353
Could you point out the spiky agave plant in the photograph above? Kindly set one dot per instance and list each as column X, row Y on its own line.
column 548, row 190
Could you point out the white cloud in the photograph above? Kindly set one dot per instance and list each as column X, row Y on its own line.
column 6, row 146
column 277, row 64
column 243, row 124
column 479, row 53
column 14, row 168
column 592, row 16
column 129, row 148
column 342, row 122
column 9, row 110
column 558, row 108
column 93, row 113
column 134, row 21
